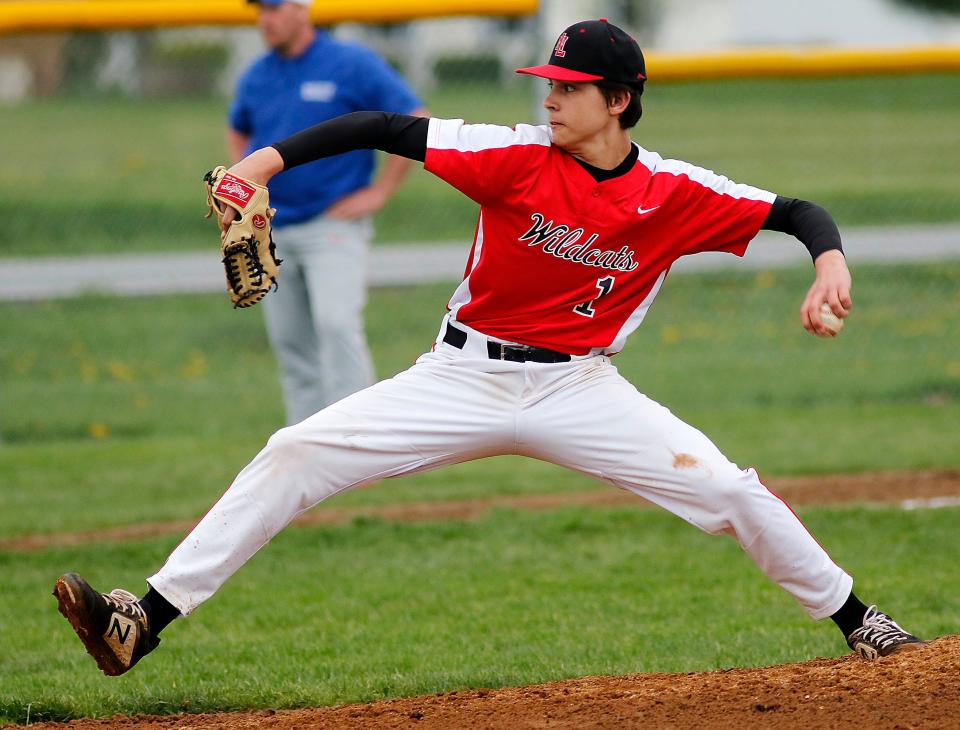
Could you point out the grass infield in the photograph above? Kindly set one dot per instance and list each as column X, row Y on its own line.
column 127, row 410
column 104, row 425
column 372, row 609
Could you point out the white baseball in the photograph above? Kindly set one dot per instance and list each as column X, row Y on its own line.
column 831, row 321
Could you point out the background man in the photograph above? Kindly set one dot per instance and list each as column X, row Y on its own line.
column 322, row 228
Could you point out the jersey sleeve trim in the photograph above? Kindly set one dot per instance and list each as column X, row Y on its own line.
column 701, row 176
column 455, row 134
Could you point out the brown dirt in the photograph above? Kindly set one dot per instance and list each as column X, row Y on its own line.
column 915, row 689
column 910, row 488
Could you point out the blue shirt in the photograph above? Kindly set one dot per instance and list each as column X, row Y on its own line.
column 277, row 97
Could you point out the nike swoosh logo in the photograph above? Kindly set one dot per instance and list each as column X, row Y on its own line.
column 642, row 211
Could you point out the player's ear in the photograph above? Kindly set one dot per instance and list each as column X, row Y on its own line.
column 617, row 102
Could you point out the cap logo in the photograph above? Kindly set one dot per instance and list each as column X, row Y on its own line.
column 561, row 42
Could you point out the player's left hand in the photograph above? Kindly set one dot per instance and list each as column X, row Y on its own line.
column 247, row 250
column 831, row 285
column 257, row 167
column 365, row 201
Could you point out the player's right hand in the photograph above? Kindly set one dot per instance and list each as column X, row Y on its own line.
column 831, row 286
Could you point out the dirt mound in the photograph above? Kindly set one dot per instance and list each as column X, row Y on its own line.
column 914, row 689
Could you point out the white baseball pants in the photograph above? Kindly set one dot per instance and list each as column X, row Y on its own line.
column 455, row 405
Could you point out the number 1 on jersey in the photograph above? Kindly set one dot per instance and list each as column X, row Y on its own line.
column 605, row 285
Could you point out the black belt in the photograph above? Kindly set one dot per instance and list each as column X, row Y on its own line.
column 501, row 351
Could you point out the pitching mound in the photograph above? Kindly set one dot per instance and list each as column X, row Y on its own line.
column 915, row 689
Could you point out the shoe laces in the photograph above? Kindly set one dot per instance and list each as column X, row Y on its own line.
column 125, row 602
column 880, row 629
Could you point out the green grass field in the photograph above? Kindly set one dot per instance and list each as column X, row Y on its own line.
column 93, row 408
column 125, row 411
column 373, row 610
column 104, row 425
column 113, row 175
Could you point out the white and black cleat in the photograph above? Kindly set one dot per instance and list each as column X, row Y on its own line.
column 113, row 626
column 881, row 636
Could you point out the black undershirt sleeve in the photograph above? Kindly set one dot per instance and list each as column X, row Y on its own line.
column 398, row 134
column 808, row 222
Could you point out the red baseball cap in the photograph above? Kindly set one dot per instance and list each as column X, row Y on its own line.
column 593, row 50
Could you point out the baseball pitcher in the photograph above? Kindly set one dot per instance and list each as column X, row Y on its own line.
column 578, row 229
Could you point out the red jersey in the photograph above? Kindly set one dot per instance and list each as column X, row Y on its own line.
column 564, row 262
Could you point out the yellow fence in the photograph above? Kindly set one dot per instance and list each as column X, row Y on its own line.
column 59, row 15
column 802, row 62
column 52, row 15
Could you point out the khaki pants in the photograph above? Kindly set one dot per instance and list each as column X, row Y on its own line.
column 315, row 317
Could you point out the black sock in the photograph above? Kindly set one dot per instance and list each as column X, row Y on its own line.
column 159, row 610
column 850, row 616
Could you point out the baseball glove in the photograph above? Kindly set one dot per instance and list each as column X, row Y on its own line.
column 247, row 248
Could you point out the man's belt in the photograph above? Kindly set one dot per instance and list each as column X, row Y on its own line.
column 503, row 351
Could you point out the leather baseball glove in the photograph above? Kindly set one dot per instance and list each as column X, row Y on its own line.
column 247, row 248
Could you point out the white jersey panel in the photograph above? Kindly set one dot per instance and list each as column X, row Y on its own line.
column 455, row 134
column 462, row 295
column 634, row 320
column 708, row 178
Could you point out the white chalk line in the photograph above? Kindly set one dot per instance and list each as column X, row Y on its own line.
column 931, row 503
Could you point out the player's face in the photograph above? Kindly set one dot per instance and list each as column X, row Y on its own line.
column 282, row 25
column 577, row 112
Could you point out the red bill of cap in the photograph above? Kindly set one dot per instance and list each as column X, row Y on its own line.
column 558, row 73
